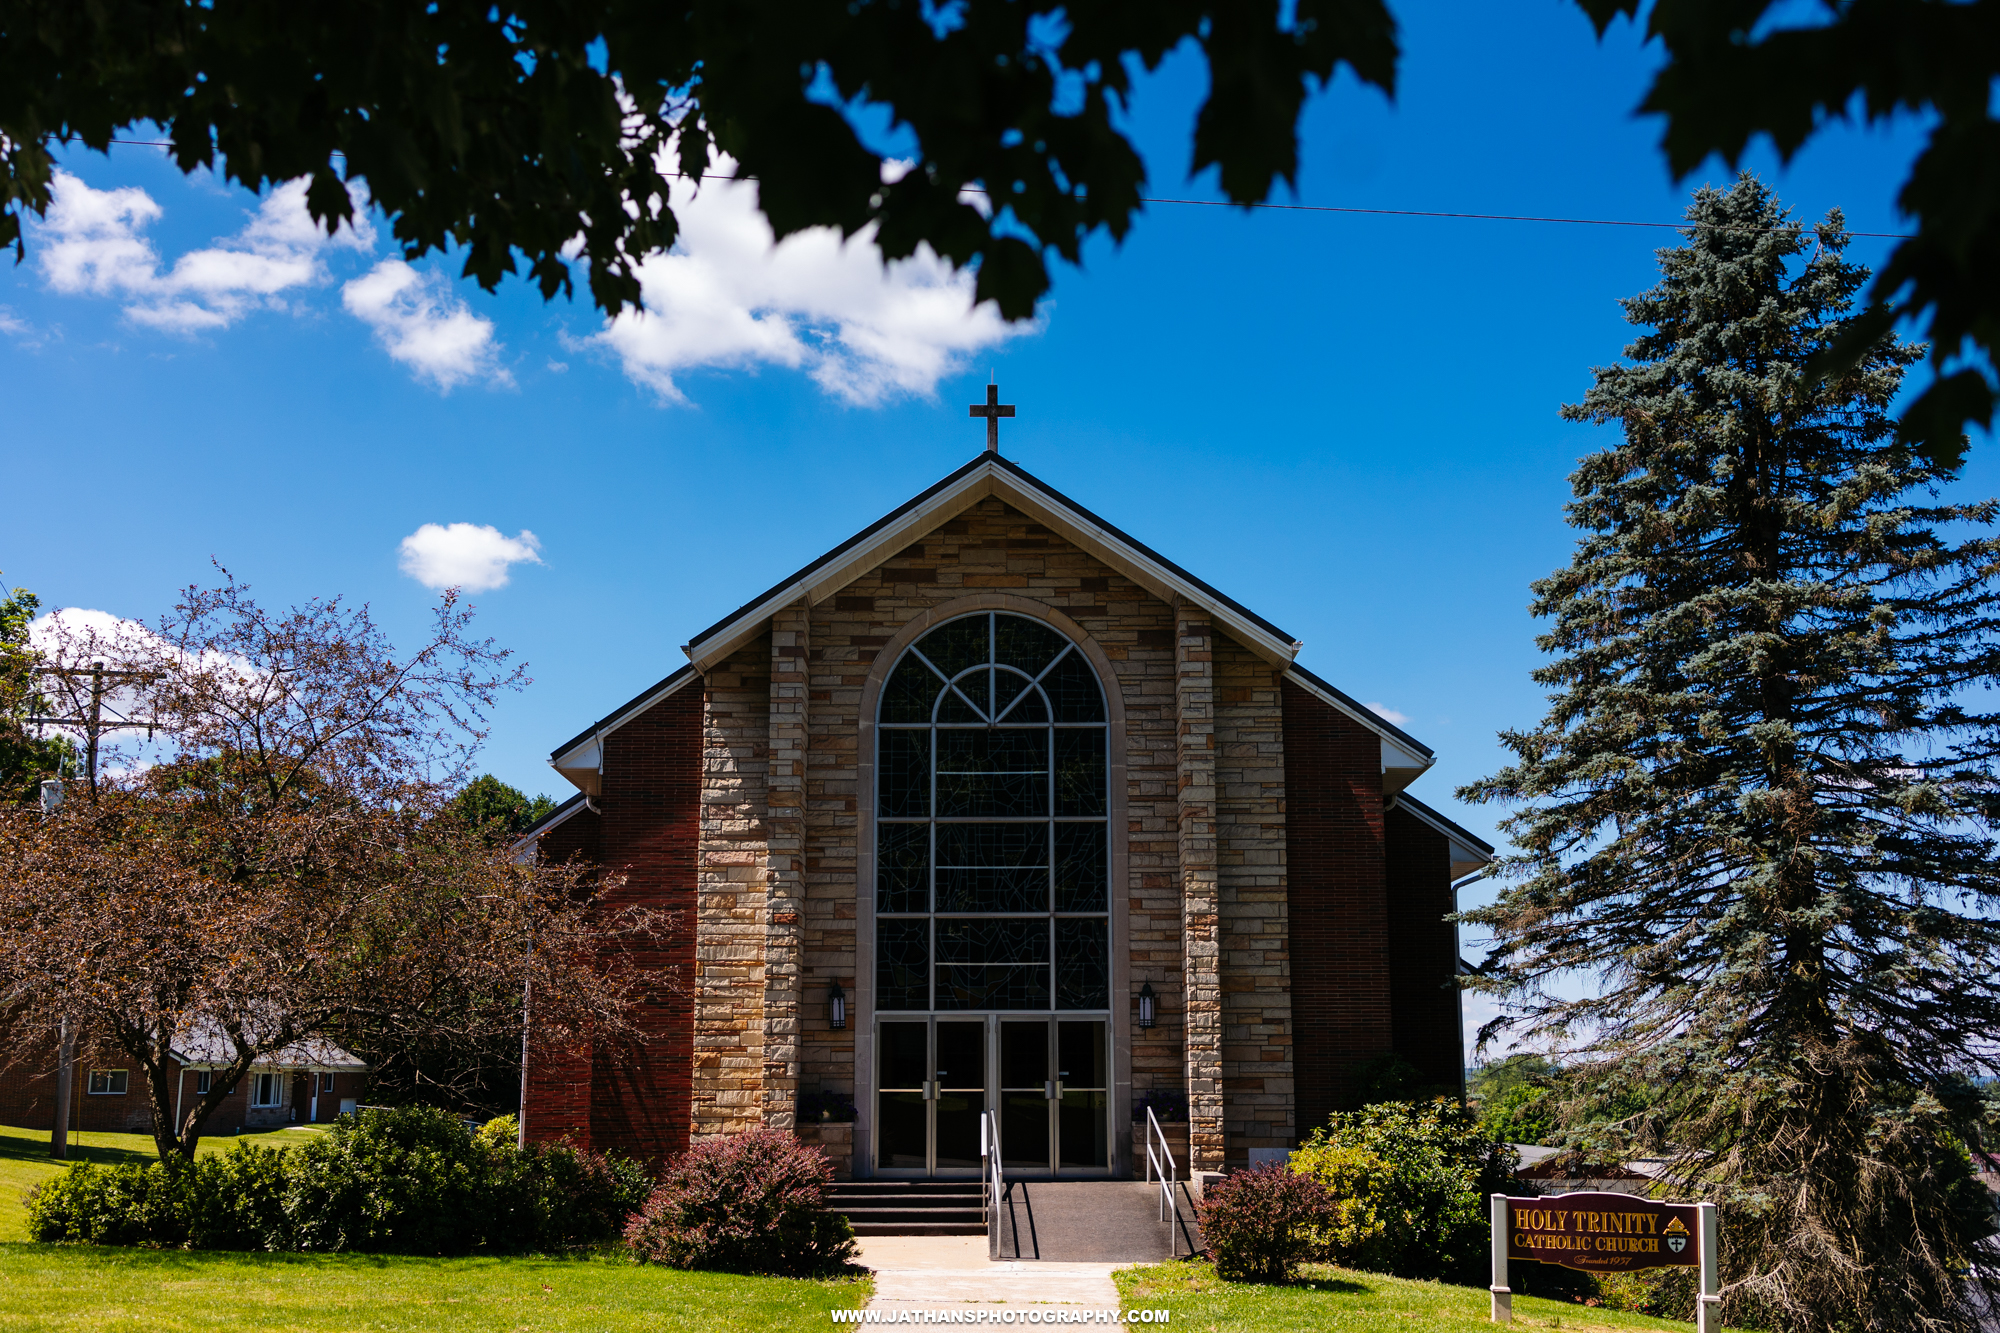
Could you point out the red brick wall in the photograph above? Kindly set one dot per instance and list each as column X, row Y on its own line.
column 637, row 1102
column 556, row 1096
column 1423, row 949
column 27, row 1100
column 1337, row 910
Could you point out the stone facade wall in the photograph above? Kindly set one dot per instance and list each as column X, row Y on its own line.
column 1336, row 905
column 1256, row 946
column 785, row 785
column 1423, row 950
column 991, row 548
column 1256, row 888
column 731, row 903
column 1194, row 660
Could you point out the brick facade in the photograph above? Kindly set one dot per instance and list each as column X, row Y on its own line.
column 1423, row 951
column 28, row 1098
column 1338, row 913
column 1252, row 864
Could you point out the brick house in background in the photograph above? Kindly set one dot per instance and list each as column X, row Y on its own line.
column 306, row 1082
column 994, row 773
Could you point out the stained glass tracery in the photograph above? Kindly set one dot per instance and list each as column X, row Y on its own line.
column 992, row 848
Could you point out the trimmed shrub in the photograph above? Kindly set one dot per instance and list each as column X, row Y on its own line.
column 1260, row 1223
column 553, row 1196
column 236, row 1200
column 110, row 1205
column 753, row 1203
column 406, row 1180
column 1411, row 1182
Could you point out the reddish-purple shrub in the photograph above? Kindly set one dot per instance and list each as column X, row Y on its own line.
column 1259, row 1223
column 753, row 1203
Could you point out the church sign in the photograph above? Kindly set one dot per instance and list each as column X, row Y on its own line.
column 1603, row 1233
column 1608, row 1233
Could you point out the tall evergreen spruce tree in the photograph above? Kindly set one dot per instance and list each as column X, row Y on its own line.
column 1759, row 816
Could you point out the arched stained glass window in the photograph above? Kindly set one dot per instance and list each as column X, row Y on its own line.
column 992, row 849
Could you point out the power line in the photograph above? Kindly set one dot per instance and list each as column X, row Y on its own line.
column 1332, row 208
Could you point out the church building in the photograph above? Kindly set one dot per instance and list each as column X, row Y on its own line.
column 993, row 811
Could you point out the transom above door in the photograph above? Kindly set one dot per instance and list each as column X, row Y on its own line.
column 1045, row 1081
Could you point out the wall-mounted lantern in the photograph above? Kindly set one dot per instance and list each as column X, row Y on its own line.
column 836, row 1006
column 1148, row 1005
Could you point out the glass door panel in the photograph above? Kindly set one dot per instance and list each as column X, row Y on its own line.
column 960, row 1084
column 1083, row 1130
column 903, row 1101
column 1024, row 1095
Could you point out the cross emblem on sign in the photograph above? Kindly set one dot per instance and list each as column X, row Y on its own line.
column 992, row 409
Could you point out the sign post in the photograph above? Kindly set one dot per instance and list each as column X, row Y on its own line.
column 1708, row 1311
column 1606, row 1233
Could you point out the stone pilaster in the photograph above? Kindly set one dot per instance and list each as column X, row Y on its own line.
column 1194, row 705
column 785, row 863
column 730, row 905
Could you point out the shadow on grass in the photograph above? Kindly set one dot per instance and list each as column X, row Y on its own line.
column 15, row 1148
column 177, row 1260
column 27, row 1150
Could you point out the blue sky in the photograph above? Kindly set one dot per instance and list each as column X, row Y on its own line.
column 1348, row 423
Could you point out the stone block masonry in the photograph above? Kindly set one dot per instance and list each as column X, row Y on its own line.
column 732, row 900
column 1287, row 929
column 1194, row 695
column 785, row 863
column 1255, row 970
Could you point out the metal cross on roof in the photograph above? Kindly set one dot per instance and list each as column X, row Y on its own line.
column 992, row 409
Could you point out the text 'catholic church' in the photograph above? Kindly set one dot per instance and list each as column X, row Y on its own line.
column 993, row 810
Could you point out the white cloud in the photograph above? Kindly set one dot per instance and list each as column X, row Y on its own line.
column 1388, row 714
column 466, row 555
column 93, row 243
column 421, row 323
column 727, row 298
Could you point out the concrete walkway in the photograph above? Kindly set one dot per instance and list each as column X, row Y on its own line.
column 949, row 1272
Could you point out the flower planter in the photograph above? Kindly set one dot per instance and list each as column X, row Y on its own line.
column 1177, row 1144
column 836, row 1141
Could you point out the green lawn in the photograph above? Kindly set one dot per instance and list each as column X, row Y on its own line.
column 57, row 1287
column 25, row 1161
column 1338, row 1298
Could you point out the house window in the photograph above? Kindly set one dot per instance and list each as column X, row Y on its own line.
column 201, row 1083
column 992, row 847
column 267, row 1090
column 326, row 1083
column 108, row 1082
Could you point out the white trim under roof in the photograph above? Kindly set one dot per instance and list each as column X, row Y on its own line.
column 1402, row 762
column 582, row 761
column 818, row 582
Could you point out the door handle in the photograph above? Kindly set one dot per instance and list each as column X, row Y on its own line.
column 930, row 1090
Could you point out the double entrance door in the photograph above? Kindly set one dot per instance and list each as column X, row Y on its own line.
column 1045, row 1080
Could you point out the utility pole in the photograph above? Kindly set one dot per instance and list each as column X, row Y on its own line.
column 93, row 724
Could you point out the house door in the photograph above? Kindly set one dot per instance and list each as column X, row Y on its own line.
column 1051, row 1095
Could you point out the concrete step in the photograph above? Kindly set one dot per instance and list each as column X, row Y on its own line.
column 911, row 1207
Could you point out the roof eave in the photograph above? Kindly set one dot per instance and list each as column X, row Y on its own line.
column 983, row 477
